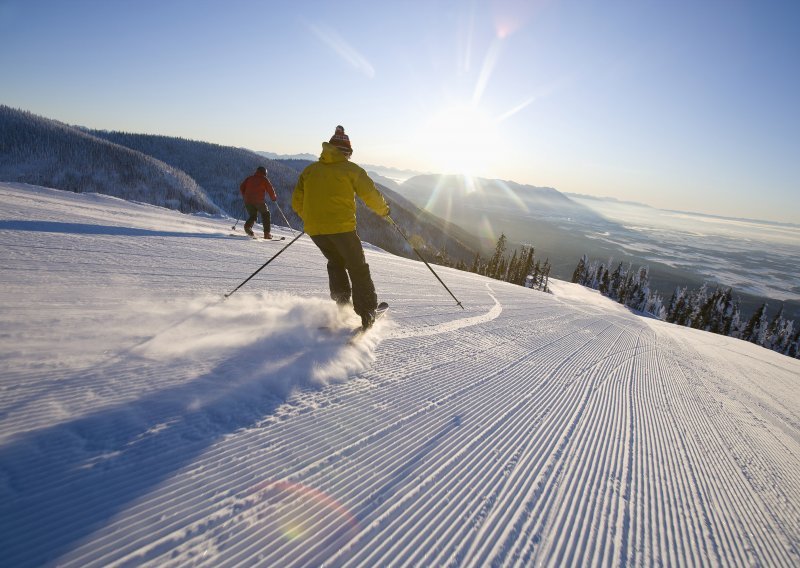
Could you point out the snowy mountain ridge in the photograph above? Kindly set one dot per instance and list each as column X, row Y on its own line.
column 146, row 168
column 147, row 421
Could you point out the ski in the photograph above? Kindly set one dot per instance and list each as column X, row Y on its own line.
column 357, row 332
column 254, row 238
column 380, row 311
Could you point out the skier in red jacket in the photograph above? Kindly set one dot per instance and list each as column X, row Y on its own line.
column 254, row 189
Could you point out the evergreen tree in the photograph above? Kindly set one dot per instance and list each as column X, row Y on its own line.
column 511, row 274
column 736, row 321
column 640, row 295
column 793, row 348
column 527, row 266
column 756, row 329
column 499, row 252
column 774, row 329
column 537, row 275
column 672, row 305
column 696, row 302
column 617, row 279
column 783, row 337
column 501, row 270
column 680, row 312
column 726, row 310
column 627, row 288
column 544, row 285
column 476, row 264
column 655, row 306
column 709, row 319
column 604, row 281
column 579, row 275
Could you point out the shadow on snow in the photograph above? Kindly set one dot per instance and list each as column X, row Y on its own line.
column 64, row 483
column 90, row 229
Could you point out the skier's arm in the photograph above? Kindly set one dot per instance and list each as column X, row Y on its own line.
column 366, row 190
column 297, row 197
column 242, row 187
column 271, row 191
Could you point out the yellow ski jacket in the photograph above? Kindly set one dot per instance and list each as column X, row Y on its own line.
column 324, row 196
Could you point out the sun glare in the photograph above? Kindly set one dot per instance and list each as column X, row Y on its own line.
column 460, row 140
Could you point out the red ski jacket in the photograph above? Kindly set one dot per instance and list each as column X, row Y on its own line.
column 255, row 188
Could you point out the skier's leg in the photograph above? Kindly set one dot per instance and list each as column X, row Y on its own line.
column 365, row 300
column 265, row 219
column 337, row 274
column 252, row 213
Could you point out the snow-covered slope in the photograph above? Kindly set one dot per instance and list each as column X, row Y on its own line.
column 144, row 420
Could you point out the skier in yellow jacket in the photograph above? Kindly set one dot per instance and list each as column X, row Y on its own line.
column 324, row 198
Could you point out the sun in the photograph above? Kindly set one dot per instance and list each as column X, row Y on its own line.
column 460, row 139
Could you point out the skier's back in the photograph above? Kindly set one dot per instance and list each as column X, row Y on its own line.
column 324, row 198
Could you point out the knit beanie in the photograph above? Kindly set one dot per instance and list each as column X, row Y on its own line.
column 341, row 141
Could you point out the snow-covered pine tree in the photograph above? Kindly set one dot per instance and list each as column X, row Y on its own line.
column 497, row 257
column 709, row 316
column 527, row 265
column 726, row 310
column 617, row 279
column 697, row 300
column 682, row 309
column 772, row 337
column 536, row 275
column 756, row 329
column 579, row 274
column 545, row 281
column 793, row 349
column 641, row 291
column 605, row 281
column 784, row 337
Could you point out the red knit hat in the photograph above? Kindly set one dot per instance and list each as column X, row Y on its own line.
column 341, row 141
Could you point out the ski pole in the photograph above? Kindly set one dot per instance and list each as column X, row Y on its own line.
column 402, row 234
column 229, row 294
column 284, row 216
column 239, row 219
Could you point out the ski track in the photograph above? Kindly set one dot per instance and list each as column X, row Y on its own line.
column 525, row 430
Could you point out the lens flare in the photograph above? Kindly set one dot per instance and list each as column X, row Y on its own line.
column 299, row 506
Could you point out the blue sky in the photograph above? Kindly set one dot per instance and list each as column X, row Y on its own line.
column 690, row 105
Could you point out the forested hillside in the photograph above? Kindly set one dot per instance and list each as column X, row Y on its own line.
column 46, row 152
column 217, row 169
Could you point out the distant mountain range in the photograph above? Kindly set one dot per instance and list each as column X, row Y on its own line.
column 188, row 176
column 442, row 213
column 394, row 174
column 274, row 156
column 540, row 216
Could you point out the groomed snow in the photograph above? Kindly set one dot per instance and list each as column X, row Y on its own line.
column 145, row 420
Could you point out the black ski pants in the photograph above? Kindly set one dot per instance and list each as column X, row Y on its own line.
column 346, row 258
column 253, row 211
